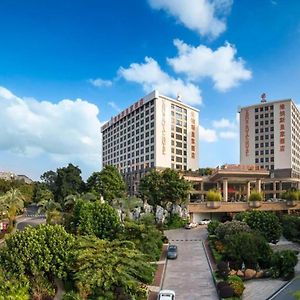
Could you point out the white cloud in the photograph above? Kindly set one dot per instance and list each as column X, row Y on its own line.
column 207, row 135
column 207, row 17
column 222, row 66
column 65, row 131
column 98, row 82
column 223, row 123
column 151, row 76
column 114, row 106
column 228, row 135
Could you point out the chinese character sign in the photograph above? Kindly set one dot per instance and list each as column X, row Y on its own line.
column 247, row 133
column 282, row 127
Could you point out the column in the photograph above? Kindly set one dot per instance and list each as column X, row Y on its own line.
column 248, row 190
column 258, row 185
column 274, row 189
column 280, row 187
column 225, row 189
column 202, row 190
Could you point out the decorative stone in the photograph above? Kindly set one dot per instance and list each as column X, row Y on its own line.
column 249, row 273
column 147, row 208
column 232, row 272
column 185, row 213
column 240, row 273
column 259, row 274
column 176, row 209
column 160, row 214
column 169, row 206
column 136, row 213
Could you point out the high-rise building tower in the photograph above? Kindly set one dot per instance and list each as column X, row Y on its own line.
column 155, row 132
column 270, row 137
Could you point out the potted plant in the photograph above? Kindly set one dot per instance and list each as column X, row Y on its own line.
column 213, row 199
column 292, row 197
column 255, row 199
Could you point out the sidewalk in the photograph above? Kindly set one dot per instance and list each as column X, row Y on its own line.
column 159, row 274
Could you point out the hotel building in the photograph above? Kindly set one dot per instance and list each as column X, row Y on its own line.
column 270, row 137
column 156, row 132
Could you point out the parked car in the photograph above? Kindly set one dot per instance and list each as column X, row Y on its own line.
column 166, row 295
column 191, row 225
column 205, row 222
column 172, row 252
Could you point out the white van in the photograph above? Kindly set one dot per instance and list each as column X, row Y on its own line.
column 166, row 295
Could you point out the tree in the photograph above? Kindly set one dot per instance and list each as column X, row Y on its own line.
column 102, row 269
column 40, row 254
column 151, row 188
column 52, row 210
column 49, row 179
column 108, row 183
column 158, row 188
column 68, row 181
column 266, row 223
column 94, row 218
column 13, row 201
column 146, row 238
column 13, row 288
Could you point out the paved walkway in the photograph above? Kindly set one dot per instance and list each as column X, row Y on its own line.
column 189, row 275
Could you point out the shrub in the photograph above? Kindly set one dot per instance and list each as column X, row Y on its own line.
column 223, row 269
column 291, row 195
column 212, row 226
column 226, row 291
column 249, row 248
column 175, row 221
column 237, row 284
column 291, row 227
column 283, row 264
column 219, row 246
column 213, row 195
column 255, row 196
column 230, row 228
column 267, row 223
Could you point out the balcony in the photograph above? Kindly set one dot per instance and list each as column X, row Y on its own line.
column 227, row 207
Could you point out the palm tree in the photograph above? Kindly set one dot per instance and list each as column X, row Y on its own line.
column 12, row 201
column 52, row 210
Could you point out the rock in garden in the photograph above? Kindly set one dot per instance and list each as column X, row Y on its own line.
column 250, row 273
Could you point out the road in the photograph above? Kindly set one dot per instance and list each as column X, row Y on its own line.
column 189, row 275
column 30, row 218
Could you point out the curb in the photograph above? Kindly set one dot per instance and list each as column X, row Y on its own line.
column 210, row 267
column 164, row 270
column 280, row 290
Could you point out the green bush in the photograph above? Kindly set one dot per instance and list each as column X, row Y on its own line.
column 237, row 285
column 266, row 223
column 230, row 228
column 175, row 221
column 283, row 264
column 255, row 196
column 146, row 238
column 213, row 195
column 250, row 248
column 291, row 227
column 212, row 226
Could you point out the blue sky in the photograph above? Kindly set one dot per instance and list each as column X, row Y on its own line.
column 68, row 66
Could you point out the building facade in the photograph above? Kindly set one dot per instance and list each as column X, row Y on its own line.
column 155, row 132
column 270, row 137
